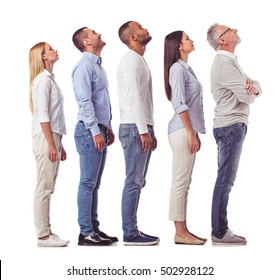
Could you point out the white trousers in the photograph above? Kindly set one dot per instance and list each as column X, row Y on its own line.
column 182, row 168
column 46, row 177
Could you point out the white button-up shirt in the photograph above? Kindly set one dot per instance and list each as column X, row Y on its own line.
column 48, row 104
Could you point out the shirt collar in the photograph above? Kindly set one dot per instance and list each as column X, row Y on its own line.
column 93, row 57
column 183, row 63
column 226, row 53
column 47, row 73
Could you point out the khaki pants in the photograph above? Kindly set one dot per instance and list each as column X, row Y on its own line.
column 46, row 177
column 182, row 168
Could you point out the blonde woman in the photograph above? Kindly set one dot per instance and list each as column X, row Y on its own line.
column 48, row 126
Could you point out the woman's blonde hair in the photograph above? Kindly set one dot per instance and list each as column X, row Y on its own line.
column 36, row 66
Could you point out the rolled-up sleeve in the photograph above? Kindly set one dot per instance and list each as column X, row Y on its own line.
column 177, row 83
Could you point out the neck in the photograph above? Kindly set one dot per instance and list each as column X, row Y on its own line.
column 140, row 49
column 184, row 58
column 96, row 52
column 49, row 67
column 230, row 49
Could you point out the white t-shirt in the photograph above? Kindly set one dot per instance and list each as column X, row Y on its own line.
column 135, row 91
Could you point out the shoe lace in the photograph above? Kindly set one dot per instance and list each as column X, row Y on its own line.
column 230, row 233
column 139, row 233
column 55, row 236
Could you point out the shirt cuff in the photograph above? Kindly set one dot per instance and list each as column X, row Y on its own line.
column 95, row 130
column 142, row 128
column 43, row 118
column 181, row 108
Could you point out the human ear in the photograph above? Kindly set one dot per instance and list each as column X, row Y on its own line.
column 86, row 41
column 133, row 37
column 222, row 41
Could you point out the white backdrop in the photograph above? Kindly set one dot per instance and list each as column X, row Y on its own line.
column 253, row 208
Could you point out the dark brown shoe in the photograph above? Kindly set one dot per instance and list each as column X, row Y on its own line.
column 105, row 236
column 93, row 240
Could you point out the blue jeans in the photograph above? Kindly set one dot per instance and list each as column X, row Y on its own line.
column 136, row 162
column 229, row 140
column 92, row 164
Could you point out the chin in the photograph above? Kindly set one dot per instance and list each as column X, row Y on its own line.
column 148, row 40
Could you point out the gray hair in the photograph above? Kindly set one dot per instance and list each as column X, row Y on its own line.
column 213, row 36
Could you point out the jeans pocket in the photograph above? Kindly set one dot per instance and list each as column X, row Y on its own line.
column 239, row 124
column 80, row 142
column 240, row 128
column 124, row 136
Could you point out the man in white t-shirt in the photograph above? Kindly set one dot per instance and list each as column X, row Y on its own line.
column 136, row 126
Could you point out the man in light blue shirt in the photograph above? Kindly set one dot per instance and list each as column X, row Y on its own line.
column 93, row 132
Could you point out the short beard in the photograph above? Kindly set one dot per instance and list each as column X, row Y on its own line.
column 146, row 41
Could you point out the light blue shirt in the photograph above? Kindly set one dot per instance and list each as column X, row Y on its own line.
column 187, row 94
column 90, row 86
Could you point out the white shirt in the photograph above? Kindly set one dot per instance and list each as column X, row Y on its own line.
column 135, row 91
column 48, row 104
column 226, row 53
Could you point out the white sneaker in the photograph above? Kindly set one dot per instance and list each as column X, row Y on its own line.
column 53, row 241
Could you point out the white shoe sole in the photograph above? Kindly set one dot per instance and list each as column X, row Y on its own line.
column 141, row 243
column 229, row 243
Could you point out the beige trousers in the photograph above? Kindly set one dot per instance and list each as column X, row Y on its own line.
column 46, row 177
column 182, row 168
